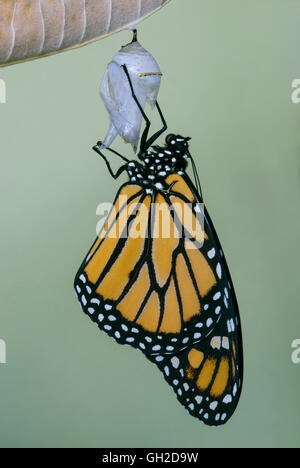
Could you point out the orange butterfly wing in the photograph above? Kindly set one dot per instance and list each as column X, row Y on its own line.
column 156, row 293
column 207, row 376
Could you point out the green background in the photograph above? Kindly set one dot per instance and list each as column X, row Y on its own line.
column 228, row 68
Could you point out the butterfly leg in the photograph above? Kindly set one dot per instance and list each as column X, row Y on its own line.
column 145, row 143
column 154, row 137
column 148, row 123
column 120, row 170
column 99, row 144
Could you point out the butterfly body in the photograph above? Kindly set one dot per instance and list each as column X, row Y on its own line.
column 154, row 166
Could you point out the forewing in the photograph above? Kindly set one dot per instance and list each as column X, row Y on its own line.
column 157, row 291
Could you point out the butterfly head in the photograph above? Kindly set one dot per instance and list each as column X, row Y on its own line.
column 177, row 144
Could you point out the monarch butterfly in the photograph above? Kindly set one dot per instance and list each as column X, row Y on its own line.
column 170, row 297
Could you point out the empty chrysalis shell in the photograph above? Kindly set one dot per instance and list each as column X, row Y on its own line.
column 125, row 116
column 36, row 28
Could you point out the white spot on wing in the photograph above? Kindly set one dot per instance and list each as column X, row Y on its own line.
column 82, row 278
column 225, row 342
column 211, row 253
column 209, row 322
column 156, row 348
column 215, row 342
column 213, row 405
column 227, row 399
column 95, row 301
column 175, row 362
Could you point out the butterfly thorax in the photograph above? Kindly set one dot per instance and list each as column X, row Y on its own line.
column 160, row 162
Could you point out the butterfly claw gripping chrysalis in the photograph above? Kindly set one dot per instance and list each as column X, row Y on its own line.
column 156, row 277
